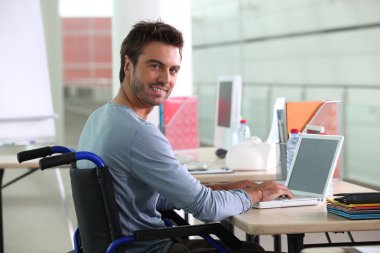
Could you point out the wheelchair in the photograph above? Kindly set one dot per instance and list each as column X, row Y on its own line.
column 99, row 228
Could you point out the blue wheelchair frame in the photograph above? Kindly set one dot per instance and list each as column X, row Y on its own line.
column 70, row 157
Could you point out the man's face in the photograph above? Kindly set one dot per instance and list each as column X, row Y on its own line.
column 154, row 76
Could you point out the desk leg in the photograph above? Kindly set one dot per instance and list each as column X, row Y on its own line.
column 1, row 212
column 277, row 243
column 295, row 243
column 18, row 178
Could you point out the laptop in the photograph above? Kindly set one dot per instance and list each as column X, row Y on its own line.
column 311, row 171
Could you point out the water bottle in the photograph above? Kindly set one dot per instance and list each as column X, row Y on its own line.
column 244, row 132
column 291, row 147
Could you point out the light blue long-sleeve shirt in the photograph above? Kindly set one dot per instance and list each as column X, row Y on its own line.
column 148, row 177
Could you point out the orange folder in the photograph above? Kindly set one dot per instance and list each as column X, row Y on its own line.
column 299, row 114
column 318, row 113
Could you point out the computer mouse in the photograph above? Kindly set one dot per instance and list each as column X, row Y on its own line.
column 221, row 153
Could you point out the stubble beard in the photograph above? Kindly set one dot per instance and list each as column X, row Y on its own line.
column 140, row 90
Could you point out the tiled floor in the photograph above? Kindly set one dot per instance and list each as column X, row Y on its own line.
column 35, row 218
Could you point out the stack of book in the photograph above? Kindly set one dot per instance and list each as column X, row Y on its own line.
column 355, row 206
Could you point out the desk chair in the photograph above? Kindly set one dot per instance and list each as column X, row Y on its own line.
column 98, row 219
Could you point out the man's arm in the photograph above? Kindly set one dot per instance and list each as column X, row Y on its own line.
column 232, row 186
column 258, row 192
column 163, row 204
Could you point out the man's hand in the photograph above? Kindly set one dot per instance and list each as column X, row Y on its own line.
column 267, row 191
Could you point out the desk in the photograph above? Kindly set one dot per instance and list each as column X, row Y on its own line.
column 296, row 221
column 207, row 155
column 9, row 161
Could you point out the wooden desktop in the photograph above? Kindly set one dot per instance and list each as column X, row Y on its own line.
column 292, row 221
column 296, row 221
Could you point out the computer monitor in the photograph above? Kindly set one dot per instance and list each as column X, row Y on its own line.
column 227, row 113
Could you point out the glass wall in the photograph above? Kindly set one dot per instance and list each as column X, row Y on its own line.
column 297, row 49
column 300, row 50
column 87, row 61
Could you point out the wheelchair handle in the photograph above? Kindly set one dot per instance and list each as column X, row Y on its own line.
column 54, row 161
column 40, row 152
column 57, row 160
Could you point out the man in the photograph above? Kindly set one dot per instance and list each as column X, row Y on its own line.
column 147, row 176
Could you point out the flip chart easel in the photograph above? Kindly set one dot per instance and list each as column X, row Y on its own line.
column 26, row 109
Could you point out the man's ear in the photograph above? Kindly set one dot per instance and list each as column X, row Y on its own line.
column 128, row 66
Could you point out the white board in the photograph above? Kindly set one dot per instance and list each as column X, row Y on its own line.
column 26, row 110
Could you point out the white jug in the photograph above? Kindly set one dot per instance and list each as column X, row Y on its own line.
column 252, row 154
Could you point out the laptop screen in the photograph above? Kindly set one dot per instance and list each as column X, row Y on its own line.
column 312, row 164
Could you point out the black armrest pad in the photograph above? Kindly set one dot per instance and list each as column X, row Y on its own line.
column 175, row 217
column 181, row 231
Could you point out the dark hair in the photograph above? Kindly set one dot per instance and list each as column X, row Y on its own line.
column 144, row 32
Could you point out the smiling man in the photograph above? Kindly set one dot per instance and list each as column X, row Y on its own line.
column 148, row 80
column 147, row 176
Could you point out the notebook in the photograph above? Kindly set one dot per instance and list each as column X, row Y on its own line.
column 311, row 171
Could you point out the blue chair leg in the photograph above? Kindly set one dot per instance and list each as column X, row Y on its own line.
column 76, row 241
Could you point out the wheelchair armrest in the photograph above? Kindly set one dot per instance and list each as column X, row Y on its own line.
column 191, row 230
column 175, row 217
